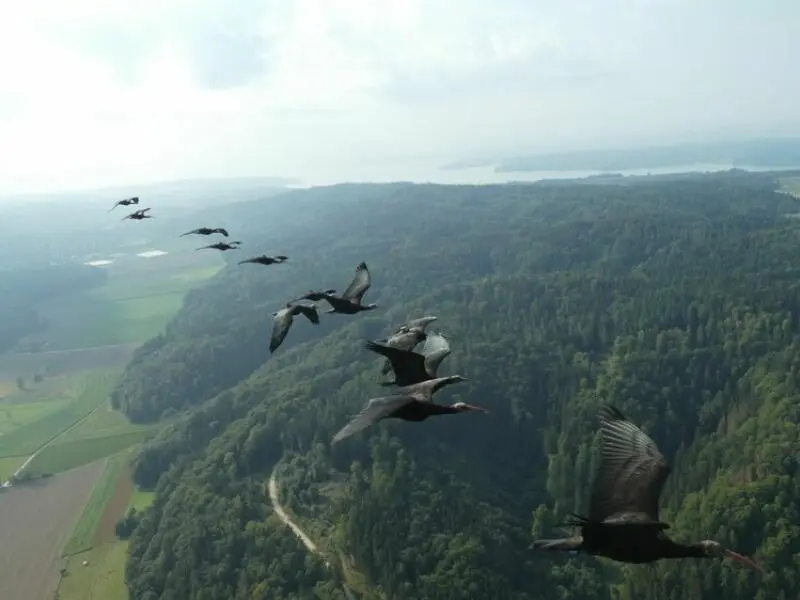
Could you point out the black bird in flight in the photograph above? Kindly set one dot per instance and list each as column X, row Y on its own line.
column 623, row 522
column 207, row 231
column 139, row 215
column 406, row 337
column 349, row 303
column 283, row 319
column 125, row 202
column 411, row 367
column 412, row 403
column 265, row 260
column 315, row 296
column 222, row 246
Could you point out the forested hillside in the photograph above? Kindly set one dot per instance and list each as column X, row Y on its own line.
column 679, row 302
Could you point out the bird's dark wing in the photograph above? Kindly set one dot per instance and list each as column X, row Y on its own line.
column 190, row 232
column 116, row 204
column 403, row 341
column 205, row 247
column 408, row 366
column 222, row 231
column 141, row 211
column 435, row 350
column 632, row 471
column 303, row 297
column 309, row 312
column 360, row 284
column 375, row 410
column 280, row 327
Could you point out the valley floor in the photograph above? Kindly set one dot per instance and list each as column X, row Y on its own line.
column 56, row 420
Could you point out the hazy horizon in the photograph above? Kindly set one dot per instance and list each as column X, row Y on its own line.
column 103, row 93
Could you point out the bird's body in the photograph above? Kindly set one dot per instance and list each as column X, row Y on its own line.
column 411, row 367
column 403, row 339
column 206, row 231
column 402, row 333
column 222, row 246
column 265, row 260
column 412, row 403
column 623, row 522
column 139, row 215
column 350, row 302
column 125, row 202
column 315, row 296
column 282, row 321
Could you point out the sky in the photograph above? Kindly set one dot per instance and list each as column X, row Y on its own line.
column 106, row 92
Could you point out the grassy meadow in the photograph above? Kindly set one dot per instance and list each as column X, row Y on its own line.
column 133, row 305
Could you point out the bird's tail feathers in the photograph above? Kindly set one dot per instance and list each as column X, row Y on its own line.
column 571, row 544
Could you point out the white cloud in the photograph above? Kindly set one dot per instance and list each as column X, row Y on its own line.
column 107, row 91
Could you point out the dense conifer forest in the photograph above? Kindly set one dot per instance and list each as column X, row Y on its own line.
column 677, row 301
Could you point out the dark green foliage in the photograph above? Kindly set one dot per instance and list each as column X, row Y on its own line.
column 127, row 524
column 677, row 301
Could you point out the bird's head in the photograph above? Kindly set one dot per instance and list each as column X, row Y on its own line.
column 712, row 549
column 464, row 407
column 329, row 292
column 370, row 306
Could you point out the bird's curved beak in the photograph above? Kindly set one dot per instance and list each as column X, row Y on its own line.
column 476, row 408
column 744, row 560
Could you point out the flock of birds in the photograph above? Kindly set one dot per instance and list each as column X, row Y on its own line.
column 622, row 522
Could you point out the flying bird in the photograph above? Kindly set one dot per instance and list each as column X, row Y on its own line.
column 125, row 202
column 265, row 260
column 349, row 303
column 139, row 215
column 283, row 319
column 412, row 403
column 623, row 522
column 207, row 231
column 315, row 296
column 412, row 367
column 222, row 246
column 404, row 340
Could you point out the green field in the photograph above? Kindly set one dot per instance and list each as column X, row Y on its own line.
column 141, row 499
column 9, row 465
column 102, row 579
column 84, row 532
column 68, row 455
column 17, row 415
column 82, row 393
column 133, row 305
